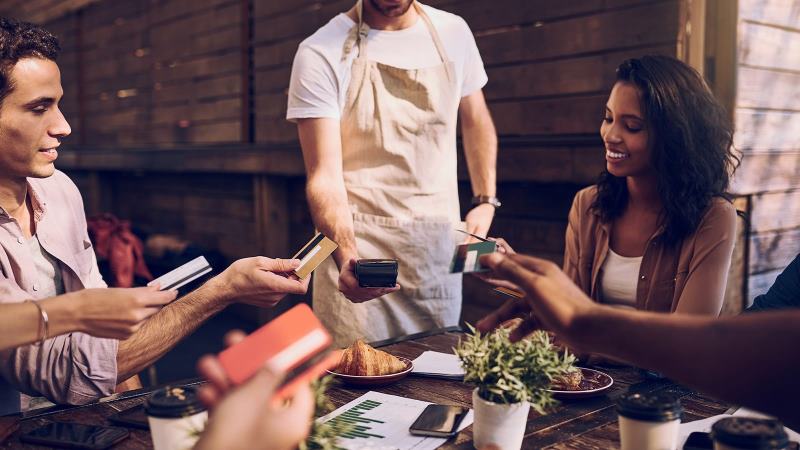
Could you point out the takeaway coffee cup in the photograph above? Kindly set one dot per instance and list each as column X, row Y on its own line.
column 176, row 417
column 648, row 421
column 748, row 433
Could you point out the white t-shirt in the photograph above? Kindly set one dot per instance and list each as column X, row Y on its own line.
column 320, row 74
column 619, row 278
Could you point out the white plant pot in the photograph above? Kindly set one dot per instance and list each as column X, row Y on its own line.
column 498, row 424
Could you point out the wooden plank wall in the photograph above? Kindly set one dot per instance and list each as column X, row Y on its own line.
column 550, row 63
column 550, row 66
column 67, row 30
column 40, row 11
column 197, row 72
column 155, row 74
column 768, row 133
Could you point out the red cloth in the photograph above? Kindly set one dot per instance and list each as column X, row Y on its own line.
column 114, row 241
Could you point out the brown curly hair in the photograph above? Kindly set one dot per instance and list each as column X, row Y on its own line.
column 20, row 40
column 693, row 153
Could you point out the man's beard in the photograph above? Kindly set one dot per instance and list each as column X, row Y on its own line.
column 393, row 11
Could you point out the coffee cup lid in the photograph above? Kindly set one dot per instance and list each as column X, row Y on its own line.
column 174, row 402
column 650, row 407
column 750, row 433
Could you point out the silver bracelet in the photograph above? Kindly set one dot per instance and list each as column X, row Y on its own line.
column 44, row 323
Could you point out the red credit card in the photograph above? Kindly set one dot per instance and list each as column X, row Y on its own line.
column 295, row 343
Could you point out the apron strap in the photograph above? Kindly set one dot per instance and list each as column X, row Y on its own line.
column 436, row 40
column 362, row 29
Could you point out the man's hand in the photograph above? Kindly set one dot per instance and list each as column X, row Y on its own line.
column 552, row 300
column 259, row 281
column 479, row 219
column 115, row 313
column 247, row 417
column 348, row 285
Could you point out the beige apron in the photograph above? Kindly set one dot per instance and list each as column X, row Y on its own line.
column 399, row 160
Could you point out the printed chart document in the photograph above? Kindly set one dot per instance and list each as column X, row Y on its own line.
column 438, row 365
column 381, row 423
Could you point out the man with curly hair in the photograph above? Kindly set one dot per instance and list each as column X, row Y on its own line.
column 45, row 249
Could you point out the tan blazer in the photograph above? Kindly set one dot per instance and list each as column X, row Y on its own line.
column 695, row 269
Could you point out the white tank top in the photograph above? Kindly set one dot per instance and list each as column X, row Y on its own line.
column 618, row 279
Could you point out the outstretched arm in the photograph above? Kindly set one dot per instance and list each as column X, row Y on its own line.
column 750, row 360
column 255, row 280
column 327, row 199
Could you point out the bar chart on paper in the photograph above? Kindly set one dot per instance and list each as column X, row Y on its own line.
column 360, row 426
column 381, row 421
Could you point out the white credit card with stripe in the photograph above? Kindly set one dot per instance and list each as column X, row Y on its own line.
column 183, row 275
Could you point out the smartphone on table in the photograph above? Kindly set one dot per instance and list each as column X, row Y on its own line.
column 439, row 421
column 132, row 417
column 75, row 435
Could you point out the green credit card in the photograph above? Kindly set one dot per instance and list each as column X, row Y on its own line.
column 467, row 257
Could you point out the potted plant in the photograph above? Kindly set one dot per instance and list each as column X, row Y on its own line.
column 324, row 435
column 511, row 378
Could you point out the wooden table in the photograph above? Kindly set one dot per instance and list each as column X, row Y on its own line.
column 580, row 424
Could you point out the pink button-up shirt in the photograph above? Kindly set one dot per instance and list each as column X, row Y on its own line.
column 74, row 368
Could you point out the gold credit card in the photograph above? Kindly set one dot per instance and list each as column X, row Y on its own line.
column 312, row 254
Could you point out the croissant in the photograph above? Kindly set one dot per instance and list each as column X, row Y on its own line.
column 568, row 382
column 361, row 359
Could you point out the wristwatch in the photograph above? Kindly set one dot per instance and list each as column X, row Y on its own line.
column 480, row 199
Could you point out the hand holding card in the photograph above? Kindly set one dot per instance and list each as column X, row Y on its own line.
column 295, row 343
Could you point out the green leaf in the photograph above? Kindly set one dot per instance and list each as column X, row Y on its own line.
column 324, row 436
column 507, row 372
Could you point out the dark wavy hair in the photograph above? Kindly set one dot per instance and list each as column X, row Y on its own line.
column 20, row 40
column 692, row 144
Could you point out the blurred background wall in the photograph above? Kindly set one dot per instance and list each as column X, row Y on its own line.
column 177, row 112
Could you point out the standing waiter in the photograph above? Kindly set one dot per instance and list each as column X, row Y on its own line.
column 376, row 94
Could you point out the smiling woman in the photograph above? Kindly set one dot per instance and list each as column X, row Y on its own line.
column 657, row 232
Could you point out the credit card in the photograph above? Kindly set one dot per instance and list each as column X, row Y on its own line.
column 480, row 238
column 183, row 275
column 312, row 254
column 466, row 257
column 295, row 343
column 509, row 292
